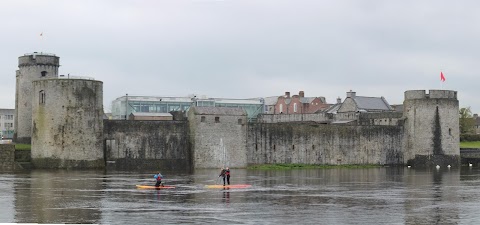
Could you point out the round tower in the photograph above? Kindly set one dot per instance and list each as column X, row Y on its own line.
column 67, row 118
column 32, row 67
column 432, row 135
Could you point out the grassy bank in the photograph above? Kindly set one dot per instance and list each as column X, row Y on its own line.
column 306, row 166
column 23, row 147
column 470, row 144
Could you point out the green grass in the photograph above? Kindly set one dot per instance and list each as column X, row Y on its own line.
column 23, row 147
column 306, row 166
column 470, row 144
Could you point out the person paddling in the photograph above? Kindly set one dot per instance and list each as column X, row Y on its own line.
column 225, row 173
column 158, row 177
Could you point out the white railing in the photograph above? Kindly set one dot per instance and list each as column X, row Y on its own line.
column 75, row 77
column 39, row 53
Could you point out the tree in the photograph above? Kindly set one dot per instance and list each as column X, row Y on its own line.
column 467, row 122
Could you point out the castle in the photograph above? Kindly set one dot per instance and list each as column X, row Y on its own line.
column 62, row 117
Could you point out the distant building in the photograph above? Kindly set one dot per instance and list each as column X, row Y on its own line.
column 7, row 123
column 299, row 104
column 270, row 103
column 107, row 116
column 333, row 108
column 150, row 116
column 125, row 105
column 354, row 103
column 477, row 123
column 397, row 108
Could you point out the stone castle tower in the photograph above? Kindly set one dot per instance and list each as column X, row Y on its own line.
column 67, row 118
column 431, row 128
column 31, row 67
column 62, row 117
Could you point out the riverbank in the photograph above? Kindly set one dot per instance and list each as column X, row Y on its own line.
column 470, row 144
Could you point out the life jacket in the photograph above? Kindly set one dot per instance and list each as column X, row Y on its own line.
column 158, row 177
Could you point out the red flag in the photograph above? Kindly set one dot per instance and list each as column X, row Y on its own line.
column 442, row 78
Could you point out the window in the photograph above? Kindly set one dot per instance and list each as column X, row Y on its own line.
column 240, row 121
column 202, row 119
column 281, row 108
column 44, row 73
column 42, row 97
column 295, row 107
column 217, row 119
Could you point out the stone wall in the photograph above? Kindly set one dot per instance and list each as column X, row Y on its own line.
column 147, row 145
column 324, row 144
column 312, row 117
column 381, row 118
column 281, row 118
column 7, row 157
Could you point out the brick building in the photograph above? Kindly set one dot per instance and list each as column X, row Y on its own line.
column 299, row 104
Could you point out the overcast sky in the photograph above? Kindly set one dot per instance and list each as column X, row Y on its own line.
column 245, row 49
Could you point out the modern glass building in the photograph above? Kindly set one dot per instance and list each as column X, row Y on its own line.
column 123, row 106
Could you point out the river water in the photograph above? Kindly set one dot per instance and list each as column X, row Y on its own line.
column 395, row 195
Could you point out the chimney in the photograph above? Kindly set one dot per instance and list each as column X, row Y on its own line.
column 475, row 115
column 339, row 100
column 301, row 94
column 351, row 94
column 287, row 94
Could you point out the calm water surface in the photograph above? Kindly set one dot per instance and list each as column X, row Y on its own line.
column 311, row 196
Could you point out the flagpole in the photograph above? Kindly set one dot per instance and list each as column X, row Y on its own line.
column 41, row 42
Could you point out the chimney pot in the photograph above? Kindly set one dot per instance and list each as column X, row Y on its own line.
column 351, row 94
column 301, row 94
column 287, row 93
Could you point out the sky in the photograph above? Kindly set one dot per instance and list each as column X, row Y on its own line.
column 247, row 49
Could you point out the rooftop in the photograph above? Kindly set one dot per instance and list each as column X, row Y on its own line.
column 219, row 111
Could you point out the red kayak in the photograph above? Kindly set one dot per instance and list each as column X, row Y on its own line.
column 229, row 186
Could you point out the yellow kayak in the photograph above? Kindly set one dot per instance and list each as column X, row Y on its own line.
column 153, row 187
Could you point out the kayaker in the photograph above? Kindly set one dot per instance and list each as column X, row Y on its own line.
column 225, row 174
column 158, row 177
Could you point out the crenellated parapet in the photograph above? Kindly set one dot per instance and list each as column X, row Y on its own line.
column 432, row 94
column 35, row 59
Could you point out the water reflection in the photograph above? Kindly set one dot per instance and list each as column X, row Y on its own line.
column 432, row 196
column 315, row 196
column 58, row 196
column 226, row 196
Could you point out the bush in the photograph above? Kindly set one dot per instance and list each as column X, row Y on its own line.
column 469, row 137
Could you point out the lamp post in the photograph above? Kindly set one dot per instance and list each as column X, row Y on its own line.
column 126, row 106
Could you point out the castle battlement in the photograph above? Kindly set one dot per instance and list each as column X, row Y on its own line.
column 38, row 59
column 433, row 94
